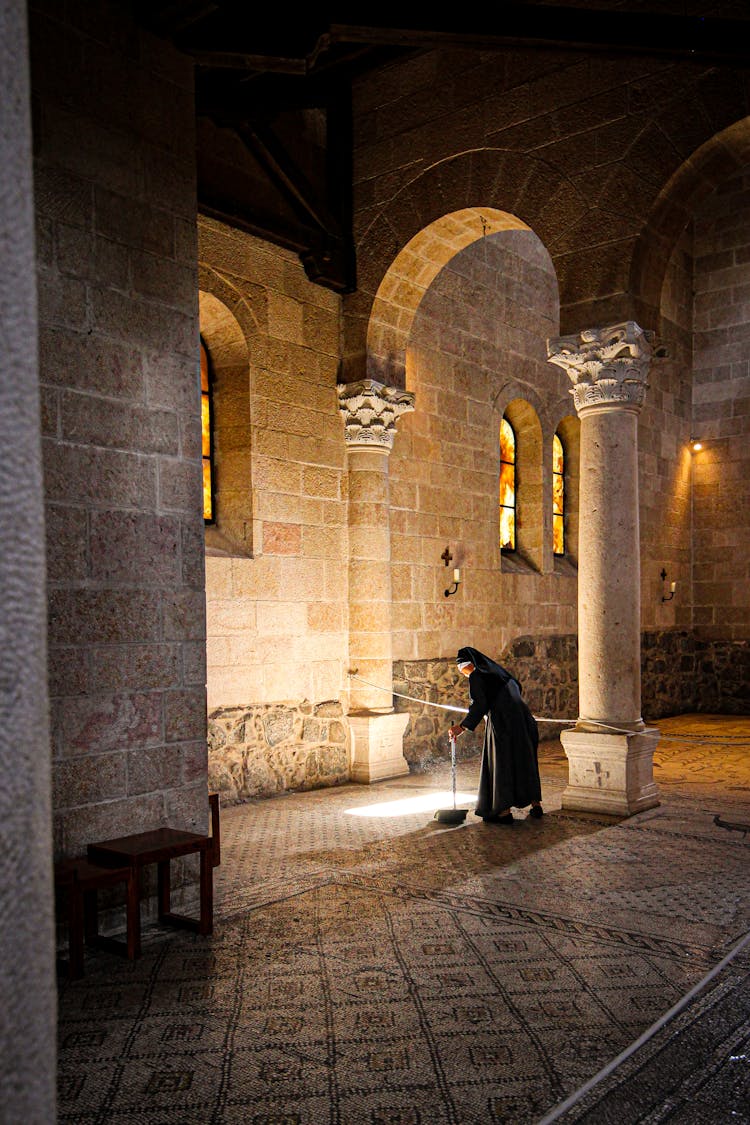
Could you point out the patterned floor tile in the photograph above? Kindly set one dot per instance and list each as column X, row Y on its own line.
column 373, row 971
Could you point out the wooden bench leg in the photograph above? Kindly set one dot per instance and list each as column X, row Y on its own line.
column 90, row 915
column 206, row 925
column 133, row 908
column 75, row 932
column 213, row 800
column 164, row 889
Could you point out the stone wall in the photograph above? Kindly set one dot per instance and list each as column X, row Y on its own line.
column 476, row 352
column 27, row 955
column 722, row 676
column 679, row 674
column 268, row 748
column 578, row 147
column 546, row 667
column 116, row 247
column 276, row 596
column 683, row 672
column 721, row 413
column 664, row 459
column 669, row 675
column 261, row 750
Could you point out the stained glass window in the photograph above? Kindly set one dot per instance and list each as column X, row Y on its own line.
column 507, row 486
column 558, row 496
column 207, row 436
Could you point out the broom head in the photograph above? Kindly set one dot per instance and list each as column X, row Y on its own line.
column 451, row 816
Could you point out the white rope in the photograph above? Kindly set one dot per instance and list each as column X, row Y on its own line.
column 413, row 698
column 569, row 1102
column 698, row 740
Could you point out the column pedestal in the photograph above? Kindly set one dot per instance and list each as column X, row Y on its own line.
column 611, row 773
column 377, row 746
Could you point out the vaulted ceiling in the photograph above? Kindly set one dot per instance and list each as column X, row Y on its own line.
column 273, row 90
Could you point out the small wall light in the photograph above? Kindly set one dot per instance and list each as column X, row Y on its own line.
column 696, row 445
column 456, row 580
column 667, row 597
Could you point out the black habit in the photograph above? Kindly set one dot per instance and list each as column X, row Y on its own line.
column 509, row 773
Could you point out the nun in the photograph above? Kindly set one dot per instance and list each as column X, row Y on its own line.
column 509, row 773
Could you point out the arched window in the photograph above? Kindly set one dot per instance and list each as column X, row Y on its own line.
column 507, row 486
column 558, row 496
column 207, row 437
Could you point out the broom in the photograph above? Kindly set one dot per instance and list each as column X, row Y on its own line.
column 454, row 815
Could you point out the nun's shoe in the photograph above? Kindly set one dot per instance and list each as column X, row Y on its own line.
column 536, row 811
column 507, row 819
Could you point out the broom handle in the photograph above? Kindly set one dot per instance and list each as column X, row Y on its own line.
column 453, row 768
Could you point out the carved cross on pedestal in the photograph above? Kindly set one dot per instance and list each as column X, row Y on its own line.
column 446, row 556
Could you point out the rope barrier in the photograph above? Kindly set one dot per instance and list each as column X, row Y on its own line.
column 698, row 740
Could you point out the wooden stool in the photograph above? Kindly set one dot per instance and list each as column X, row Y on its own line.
column 80, row 879
column 160, row 847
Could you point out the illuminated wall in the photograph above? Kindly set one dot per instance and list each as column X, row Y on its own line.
column 721, row 412
column 477, row 351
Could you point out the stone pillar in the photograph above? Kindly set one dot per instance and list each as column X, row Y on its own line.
column 27, row 950
column 370, row 411
column 610, row 751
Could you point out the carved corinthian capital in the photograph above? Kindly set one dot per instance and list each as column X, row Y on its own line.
column 607, row 366
column 370, row 411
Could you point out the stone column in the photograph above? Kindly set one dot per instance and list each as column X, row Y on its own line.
column 610, row 751
column 370, row 411
column 27, row 949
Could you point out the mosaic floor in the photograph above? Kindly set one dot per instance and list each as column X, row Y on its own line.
column 372, row 966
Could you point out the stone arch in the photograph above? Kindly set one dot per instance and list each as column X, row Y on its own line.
column 409, row 277
column 522, row 192
column 227, row 346
column 248, row 318
column 711, row 164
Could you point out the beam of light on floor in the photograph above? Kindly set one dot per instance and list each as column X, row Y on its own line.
column 428, row 802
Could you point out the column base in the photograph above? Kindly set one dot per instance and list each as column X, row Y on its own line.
column 377, row 746
column 612, row 773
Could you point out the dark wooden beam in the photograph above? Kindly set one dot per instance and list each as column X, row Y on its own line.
column 222, row 34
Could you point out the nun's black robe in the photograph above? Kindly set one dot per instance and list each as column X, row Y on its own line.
column 509, row 773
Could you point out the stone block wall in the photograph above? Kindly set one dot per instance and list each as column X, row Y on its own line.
column 664, row 459
column 477, row 350
column 682, row 672
column 277, row 596
column 261, row 750
column 116, row 244
column 27, row 954
column 670, row 678
column 577, row 147
column 579, row 152
column 679, row 675
column 546, row 667
column 722, row 676
column 721, row 413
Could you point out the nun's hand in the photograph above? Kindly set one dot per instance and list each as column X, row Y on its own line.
column 456, row 730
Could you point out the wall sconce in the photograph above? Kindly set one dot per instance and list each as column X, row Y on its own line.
column 672, row 587
column 456, row 579
column 447, row 558
column 696, row 445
